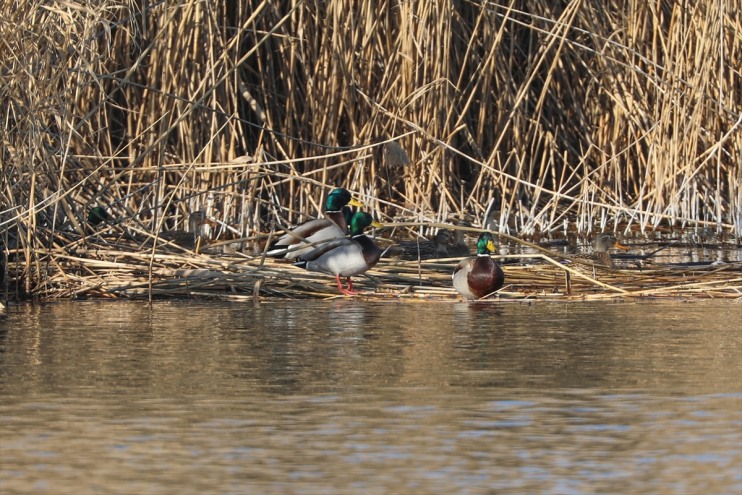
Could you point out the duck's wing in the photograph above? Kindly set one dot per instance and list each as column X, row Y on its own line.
column 327, row 248
column 302, row 232
column 343, row 258
column 460, row 277
column 463, row 264
column 311, row 232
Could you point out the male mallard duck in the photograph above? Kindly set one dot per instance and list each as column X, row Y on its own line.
column 347, row 256
column 599, row 255
column 479, row 275
column 423, row 249
column 333, row 226
column 98, row 215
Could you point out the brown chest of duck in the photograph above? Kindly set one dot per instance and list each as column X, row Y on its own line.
column 303, row 238
column 479, row 275
column 345, row 257
column 599, row 256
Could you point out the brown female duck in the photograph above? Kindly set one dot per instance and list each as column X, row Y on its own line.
column 600, row 256
column 423, row 249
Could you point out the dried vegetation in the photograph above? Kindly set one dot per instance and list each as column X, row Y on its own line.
column 532, row 119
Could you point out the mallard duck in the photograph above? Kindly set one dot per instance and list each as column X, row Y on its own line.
column 459, row 247
column 199, row 228
column 479, row 275
column 98, row 215
column 394, row 155
column 347, row 256
column 599, row 255
column 423, row 249
column 333, row 226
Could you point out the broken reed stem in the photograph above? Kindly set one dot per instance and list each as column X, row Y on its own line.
column 277, row 279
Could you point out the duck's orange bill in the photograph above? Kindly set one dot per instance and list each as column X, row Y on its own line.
column 621, row 246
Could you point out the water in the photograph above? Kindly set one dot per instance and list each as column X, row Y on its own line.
column 346, row 397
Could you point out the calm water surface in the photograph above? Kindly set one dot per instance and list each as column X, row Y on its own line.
column 357, row 397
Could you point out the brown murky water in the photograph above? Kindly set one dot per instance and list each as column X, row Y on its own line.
column 345, row 397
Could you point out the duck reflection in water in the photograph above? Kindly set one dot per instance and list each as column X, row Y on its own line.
column 471, row 311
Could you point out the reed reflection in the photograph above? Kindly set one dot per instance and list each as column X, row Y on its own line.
column 419, row 397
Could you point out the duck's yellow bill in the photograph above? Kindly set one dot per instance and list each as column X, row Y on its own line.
column 355, row 202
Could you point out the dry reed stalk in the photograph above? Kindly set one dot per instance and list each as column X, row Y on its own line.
column 586, row 115
column 104, row 274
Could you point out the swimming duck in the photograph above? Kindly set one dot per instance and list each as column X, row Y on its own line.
column 599, row 255
column 347, row 256
column 423, row 249
column 480, row 275
column 333, row 226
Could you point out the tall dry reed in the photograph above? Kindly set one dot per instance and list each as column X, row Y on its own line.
column 550, row 115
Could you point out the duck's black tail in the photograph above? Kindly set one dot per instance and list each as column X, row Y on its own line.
column 301, row 263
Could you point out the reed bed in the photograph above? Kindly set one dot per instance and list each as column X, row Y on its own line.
column 109, row 266
column 530, row 119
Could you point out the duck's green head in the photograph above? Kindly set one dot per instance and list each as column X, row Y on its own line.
column 485, row 243
column 339, row 198
column 97, row 215
column 360, row 221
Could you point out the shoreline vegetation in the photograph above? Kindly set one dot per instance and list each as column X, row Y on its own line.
column 535, row 120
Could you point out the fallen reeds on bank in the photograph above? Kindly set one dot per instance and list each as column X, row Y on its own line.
column 106, row 265
column 530, row 119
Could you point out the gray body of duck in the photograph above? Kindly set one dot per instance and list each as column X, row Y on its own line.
column 345, row 257
column 305, row 237
column 459, row 247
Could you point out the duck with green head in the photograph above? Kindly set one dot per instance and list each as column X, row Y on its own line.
column 479, row 275
column 302, row 238
column 98, row 215
column 345, row 257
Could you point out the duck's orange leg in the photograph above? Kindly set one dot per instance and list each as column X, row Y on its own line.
column 349, row 291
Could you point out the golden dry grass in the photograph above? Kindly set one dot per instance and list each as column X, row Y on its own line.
column 114, row 264
column 549, row 116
